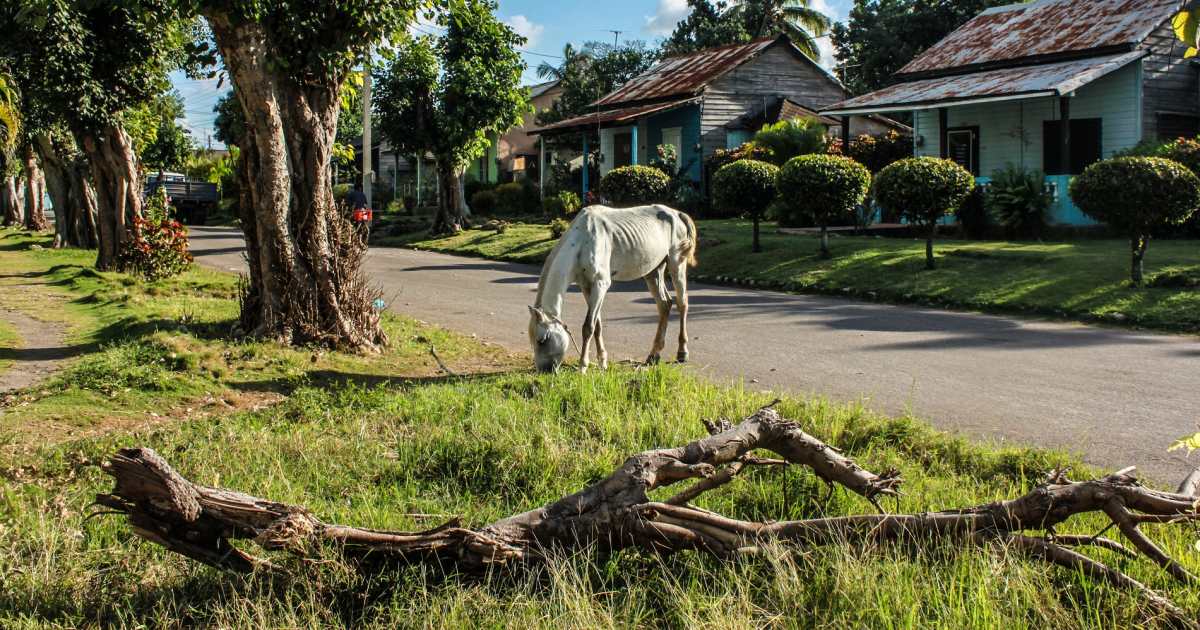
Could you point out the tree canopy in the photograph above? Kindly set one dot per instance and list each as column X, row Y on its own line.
column 712, row 24
column 706, row 26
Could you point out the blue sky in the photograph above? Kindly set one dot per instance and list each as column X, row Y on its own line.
column 547, row 24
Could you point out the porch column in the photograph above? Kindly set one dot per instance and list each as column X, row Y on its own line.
column 944, row 133
column 635, row 144
column 585, row 164
column 845, row 134
column 542, row 168
column 1064, row 110
column 417, row 159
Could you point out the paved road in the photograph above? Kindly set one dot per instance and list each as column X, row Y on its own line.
column 1120, row 397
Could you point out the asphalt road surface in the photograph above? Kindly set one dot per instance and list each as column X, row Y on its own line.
column 1119, row 397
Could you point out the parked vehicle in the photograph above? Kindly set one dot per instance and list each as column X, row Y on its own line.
column 190, row 200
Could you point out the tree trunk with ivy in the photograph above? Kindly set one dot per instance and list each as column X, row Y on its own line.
column 14, row 205
column 35, row 189
column 453, row 214
column 115, row 171
column 306, row 281
column 69, row 185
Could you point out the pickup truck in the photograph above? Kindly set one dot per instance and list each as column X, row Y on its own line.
column 190, row 200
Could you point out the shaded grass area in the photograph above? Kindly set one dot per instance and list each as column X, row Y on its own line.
column 10, row 343
column 1085, row 281
column 373, row 441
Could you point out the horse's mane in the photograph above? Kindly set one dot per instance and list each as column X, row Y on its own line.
column 537, row 301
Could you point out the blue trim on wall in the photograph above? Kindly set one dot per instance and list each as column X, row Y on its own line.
column 688, row 120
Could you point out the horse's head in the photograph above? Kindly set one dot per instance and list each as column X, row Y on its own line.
column 550, row 340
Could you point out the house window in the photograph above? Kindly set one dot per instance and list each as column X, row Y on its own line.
column 674, row 137
column 735, row 138
column 1174, row 126
column 1087, row 146
column 964, row 147
column 622, row 150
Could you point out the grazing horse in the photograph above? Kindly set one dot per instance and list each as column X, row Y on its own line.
column 601, row 246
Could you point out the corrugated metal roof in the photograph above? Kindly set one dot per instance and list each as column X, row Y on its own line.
column 542, row 88
column 686, row 74
column 1045, row 27
column 1028, row 81
column 606, row 118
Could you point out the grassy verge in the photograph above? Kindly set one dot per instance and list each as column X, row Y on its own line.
column 10, row 342
column 1086, row 281
column 371, row 441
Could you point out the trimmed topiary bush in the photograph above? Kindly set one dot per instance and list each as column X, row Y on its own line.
column 923, row 190
column 1136, row 194
column 824, row 186
column 483, row 202
column 634, row 185
column 746, row 188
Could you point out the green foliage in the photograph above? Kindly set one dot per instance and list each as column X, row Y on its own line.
column 558, row 227
column 882, row 36
column 157, row 248
column 877, row 152
column 824, row 187
column 972, row 214
column 794, row 18
column 790, row 138
column 1191, row 442
column 563, row 204
column 410, row 203
column 678, row 175
column 1018, row 199
column 161, row 142
column 922, row 190
column 634, row 185
column 748, row 151
column 706, row 26
column 443, row 95
column 230, row 124
column 483, row 202
column 1134, row 194
column 745, row 188
column 511, row 198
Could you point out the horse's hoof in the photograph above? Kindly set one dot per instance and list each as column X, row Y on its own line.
column 583, row 369
column 652, row 359
column 603, row 365
column 682, row 357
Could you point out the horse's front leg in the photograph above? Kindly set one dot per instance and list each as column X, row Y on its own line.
column 658, row 290
column 601, row 352
column 591, row 323
column 679, row 279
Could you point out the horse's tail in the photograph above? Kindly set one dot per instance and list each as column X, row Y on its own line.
column 689, row 247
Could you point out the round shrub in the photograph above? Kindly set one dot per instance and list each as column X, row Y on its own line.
column 634, row 185
column 565, row 203
column 510, row 198
column 745, row 188
column 823, row 186
column 923, row 190
column 1134, row 195
column 1184, row 151
column 483, row 202
column 558, row 227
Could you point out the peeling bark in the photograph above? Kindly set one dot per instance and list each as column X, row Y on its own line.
column 453, row 213
column 68, row 183
column 115, row 171
column 306, row 282
column 13, row 202
column 35, row 192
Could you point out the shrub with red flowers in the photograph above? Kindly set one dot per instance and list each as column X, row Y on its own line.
column 157, row 248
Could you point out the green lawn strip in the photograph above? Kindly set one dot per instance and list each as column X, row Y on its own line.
column 10, row 342
column 1081, row 280
column 163, row 347
column 493, row 446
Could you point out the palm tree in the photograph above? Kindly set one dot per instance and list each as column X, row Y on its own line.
column 793, row 18
column 10, row 116
column 572, row 59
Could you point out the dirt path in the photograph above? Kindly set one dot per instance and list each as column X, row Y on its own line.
column 44, row 349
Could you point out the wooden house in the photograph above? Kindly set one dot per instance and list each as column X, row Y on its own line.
column 705, row 101
column 1054, row 85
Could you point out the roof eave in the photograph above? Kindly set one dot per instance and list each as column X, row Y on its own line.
column 923, row 105
column 1021, row 62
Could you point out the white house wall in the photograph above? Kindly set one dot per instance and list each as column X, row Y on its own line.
column 608, row 145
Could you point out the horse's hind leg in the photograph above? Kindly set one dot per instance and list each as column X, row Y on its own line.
column 679, row 279
column 658, row 290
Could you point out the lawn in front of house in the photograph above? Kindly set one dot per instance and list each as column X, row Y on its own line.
column 1080, row 280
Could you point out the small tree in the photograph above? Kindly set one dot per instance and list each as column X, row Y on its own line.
column 1135, row 195
column 635, row 185
column 790, row 138
column 825, row 186
column 923, row 190
column 745, row 188
column 443, row 95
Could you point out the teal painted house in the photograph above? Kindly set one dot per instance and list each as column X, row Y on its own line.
column 1053, row 85
column 700, row 103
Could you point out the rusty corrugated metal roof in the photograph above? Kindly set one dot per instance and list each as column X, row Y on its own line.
column 606, row 118
column 687, row 74
column 1049, row 79
column 1003, row 35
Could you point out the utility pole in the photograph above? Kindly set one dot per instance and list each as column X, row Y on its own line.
column 366, row 157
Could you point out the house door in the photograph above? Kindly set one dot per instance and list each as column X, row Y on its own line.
column 622, row 149
column 964, row 147
column 674, row 137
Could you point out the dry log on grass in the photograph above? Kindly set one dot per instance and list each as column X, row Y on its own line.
column 199, row 522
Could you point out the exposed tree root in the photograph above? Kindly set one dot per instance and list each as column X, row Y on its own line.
column 199, row 522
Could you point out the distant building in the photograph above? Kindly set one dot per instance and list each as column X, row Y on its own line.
column 1055, row 85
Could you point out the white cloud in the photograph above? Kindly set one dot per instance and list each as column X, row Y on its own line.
column 825, row 44
column 527, row 29
column 669, row 13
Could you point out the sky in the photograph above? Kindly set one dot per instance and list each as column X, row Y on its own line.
column 547, row 24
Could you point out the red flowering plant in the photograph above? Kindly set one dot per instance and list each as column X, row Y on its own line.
column 157, row 246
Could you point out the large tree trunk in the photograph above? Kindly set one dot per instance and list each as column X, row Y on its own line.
column 35, row 192
column 453, row 214
column 306, row 280
column 13, row 202
column 118, row 193
column 69, row 186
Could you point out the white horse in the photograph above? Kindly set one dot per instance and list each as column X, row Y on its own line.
column 601, row 246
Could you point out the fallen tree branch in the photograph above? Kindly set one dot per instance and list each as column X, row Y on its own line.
column 199, row 522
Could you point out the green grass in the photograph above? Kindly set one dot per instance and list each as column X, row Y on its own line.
column 1084, row 280
column 386, row 439
column 10, row 342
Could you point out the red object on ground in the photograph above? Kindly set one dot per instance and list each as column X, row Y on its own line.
column 361, row 215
